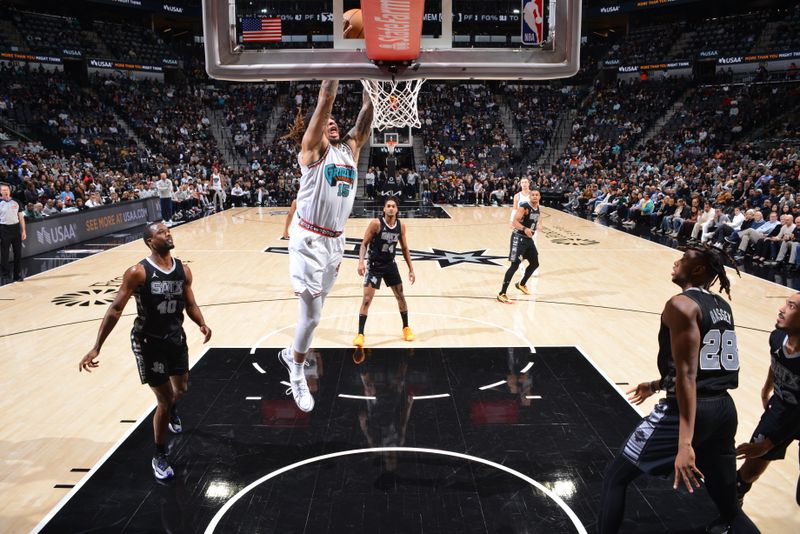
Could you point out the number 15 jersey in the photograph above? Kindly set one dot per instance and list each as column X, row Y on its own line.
column 328, row 189
column 159, row 301
column 718, row 360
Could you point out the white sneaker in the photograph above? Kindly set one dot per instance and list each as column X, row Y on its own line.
column 298, row 388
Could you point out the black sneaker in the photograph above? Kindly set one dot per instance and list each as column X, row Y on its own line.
column 161, row 468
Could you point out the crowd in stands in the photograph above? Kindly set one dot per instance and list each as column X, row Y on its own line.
column 700, row 175
column 247, row 113
column 646, row 44
column 66, row 36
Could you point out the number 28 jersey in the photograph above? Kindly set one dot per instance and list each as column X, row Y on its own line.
column 718, row 360
column 159, row 301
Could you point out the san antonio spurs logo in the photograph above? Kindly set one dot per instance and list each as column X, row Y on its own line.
column 89, row 297
column 445, row 258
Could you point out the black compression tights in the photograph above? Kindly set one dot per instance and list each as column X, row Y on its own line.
column 532, row 266
column 618, row 475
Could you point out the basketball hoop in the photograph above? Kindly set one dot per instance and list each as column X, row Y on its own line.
column 390, row 146
column 394, row 103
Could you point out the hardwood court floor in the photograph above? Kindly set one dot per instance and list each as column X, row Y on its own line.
column 598, row 288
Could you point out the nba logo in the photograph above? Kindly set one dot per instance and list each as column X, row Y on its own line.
column 532, row 22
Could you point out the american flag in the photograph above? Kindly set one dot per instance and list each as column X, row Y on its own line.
column 261, row 29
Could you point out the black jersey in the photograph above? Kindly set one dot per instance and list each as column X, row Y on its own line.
column 159, row 301
column 383, row 244
column 718, row 361
column 530, row 220
column 785, row 369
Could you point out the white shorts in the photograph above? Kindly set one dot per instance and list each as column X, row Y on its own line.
column 313, row 260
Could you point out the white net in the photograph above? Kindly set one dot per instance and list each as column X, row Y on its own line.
column 394, row 103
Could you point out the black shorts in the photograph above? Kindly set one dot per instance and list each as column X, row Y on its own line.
column 774, row 417
column 158, row 359
column 522, row 248
column 388, row 273
column 653, row 445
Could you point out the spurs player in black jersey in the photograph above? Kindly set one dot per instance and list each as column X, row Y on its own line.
column 379, row 244
column 780, row 396
column 525, row 223
column 162, row 287
column 690, row 433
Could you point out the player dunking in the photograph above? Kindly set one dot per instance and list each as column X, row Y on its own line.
column 698, row 362
column 523, row 247
column 380, row 241
column 329, row 164
column 780, row 396
column 162, row 286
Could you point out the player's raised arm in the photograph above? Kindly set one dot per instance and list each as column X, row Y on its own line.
column 314, row 142
column 358, row 135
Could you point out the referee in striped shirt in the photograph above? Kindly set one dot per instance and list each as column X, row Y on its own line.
column 12, row 231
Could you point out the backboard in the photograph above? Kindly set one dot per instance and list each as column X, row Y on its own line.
column 264, row 40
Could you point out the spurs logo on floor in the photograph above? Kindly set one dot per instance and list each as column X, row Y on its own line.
column 89, row 297
column 99, row 293
column 562, row 236
column 445, row 258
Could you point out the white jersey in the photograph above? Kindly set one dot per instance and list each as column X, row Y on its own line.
column 520, row 198
column 327, row 191
column 216, row 182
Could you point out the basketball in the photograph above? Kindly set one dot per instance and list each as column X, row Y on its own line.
column 353, row 24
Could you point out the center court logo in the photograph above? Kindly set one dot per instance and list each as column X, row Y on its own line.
column 445, row 258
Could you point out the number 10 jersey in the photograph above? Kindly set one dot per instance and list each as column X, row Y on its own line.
column 718, row 360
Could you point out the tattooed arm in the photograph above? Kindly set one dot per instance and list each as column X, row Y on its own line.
column 359, row 134
column 314, row 141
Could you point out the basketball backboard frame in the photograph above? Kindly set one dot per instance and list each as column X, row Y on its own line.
column 227, row 60
column 404, row 137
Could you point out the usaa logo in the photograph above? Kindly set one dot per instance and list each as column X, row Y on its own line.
column 57, row 234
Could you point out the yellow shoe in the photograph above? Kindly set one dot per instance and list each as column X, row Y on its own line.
column 522, row 288
column 358, row 341
column 408, row 334
column 502, row 297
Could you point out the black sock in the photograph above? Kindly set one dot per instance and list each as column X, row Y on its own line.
column 173, row 411
column 529, row 272
column 509, row 275
column 404, row 315
column 362, row 321
column 161, row 449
